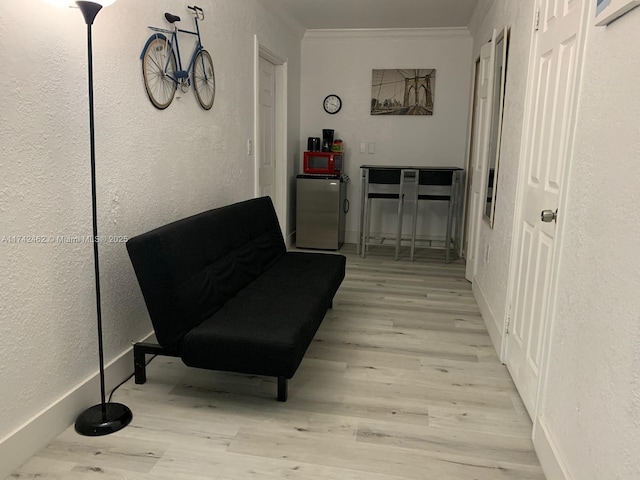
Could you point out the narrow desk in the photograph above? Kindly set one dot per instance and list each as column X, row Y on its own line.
column 401, row 176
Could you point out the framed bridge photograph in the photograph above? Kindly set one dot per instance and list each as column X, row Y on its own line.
column 609, row 10
column 403, row 91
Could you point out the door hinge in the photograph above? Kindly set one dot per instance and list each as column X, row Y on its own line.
column 508, row 322
column 536, row 24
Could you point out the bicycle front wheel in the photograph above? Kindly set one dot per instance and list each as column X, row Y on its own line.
column 204, row 79
column 158, row 70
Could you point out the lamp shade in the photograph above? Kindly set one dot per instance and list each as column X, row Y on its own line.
column 72, row 3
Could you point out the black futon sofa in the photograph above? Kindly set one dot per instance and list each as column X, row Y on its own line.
column 224, row 294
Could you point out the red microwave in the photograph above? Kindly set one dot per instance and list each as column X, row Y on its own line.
column 323, row 163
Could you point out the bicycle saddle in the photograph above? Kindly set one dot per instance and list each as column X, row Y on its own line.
column 171, row 18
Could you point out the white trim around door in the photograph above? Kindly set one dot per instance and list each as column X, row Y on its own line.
column 280, row 192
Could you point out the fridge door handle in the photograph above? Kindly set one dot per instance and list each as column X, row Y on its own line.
column 345, row 205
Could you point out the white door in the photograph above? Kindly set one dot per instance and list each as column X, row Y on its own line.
column 267, row 129
column 479, row 155
column 551, row 108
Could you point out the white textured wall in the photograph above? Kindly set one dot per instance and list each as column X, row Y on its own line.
column 152, row 167
column 492, row 275
column 592, row 402
column 341, row 62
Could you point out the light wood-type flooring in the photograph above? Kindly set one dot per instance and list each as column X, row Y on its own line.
column 400, row 382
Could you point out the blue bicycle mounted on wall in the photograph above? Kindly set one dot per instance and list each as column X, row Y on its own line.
column 163, row 74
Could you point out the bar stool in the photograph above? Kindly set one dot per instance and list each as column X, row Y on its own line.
column 408, row 181
column 436, row 178
column 387, row 177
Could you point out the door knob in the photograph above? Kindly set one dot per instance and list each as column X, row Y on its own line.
column 549, row 215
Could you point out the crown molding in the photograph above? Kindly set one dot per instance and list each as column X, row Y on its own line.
column 387, row 32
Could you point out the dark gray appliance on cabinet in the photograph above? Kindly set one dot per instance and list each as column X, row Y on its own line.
column 321, row 211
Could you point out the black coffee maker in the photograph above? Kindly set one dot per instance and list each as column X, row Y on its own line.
column 327, row 140
column 313, row 144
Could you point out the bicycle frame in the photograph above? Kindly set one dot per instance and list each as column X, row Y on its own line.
column 174, row 46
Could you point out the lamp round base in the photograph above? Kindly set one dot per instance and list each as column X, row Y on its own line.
column 93, row 423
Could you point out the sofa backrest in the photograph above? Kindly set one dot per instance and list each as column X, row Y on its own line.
column 188, row 269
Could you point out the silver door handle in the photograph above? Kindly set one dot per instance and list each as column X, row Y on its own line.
column 549, row 215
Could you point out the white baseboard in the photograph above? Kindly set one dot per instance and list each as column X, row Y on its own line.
column 350, row 237
column 548, row 454
column 25, row 441
column 494, row 327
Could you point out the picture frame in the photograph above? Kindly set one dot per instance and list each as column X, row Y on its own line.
column 409, row 91
column 609, row 10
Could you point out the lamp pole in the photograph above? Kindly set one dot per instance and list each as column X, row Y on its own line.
column 104, row 418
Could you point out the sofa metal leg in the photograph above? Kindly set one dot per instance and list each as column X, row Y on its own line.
column 282, row 389
column 139, row 365
column 140, row 349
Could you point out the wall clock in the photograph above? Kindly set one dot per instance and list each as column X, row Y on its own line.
column 332, row 104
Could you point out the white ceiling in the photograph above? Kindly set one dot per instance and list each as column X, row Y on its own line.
column 341, row 14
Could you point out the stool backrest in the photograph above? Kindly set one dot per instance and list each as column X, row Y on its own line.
column 436, row 177
column 384, row 176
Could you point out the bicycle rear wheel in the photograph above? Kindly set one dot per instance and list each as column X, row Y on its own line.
column 204, row 79
column 158, row 80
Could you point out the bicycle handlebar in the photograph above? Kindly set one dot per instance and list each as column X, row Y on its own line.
column 197, row 11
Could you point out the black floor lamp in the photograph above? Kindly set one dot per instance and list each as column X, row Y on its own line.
column 104, row 418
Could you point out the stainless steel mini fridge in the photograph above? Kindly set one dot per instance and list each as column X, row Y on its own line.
column 321, row 211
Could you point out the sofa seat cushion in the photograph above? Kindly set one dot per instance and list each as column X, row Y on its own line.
column 267, row 326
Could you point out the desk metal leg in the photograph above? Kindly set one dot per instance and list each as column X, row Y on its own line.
column 459, row 179
column 450, row 216
column 415, row 176
column 447, row 257
column 363, row 196
column 399, row 222
column 366, row 213
column 367, row 226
